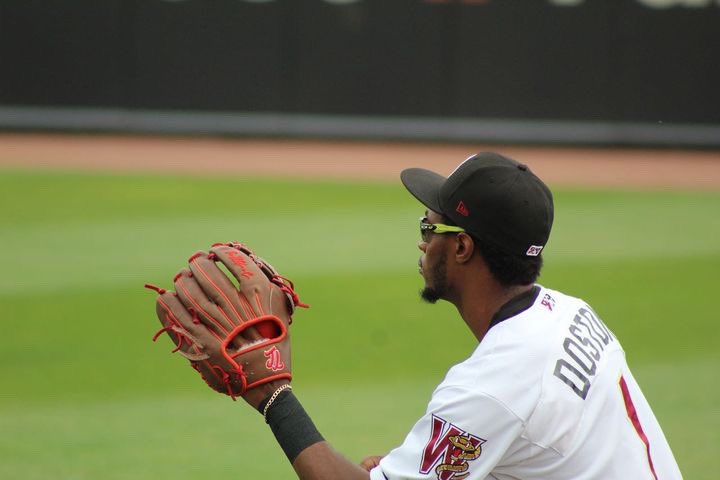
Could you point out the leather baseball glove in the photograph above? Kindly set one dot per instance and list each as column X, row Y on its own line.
column 232, row 328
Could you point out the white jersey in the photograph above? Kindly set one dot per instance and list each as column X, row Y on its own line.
column 546, row 395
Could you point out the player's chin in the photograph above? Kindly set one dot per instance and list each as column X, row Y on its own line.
column 430, row 295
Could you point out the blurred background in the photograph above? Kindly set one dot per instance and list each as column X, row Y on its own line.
column 133, row 133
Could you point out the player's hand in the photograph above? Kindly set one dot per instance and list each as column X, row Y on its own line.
column 371, row 462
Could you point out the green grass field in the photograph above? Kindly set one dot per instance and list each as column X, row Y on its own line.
column 85, row 394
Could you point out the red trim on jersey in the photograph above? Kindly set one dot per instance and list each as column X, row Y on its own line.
column 632, row 414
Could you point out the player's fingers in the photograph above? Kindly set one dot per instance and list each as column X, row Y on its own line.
column 371, row 462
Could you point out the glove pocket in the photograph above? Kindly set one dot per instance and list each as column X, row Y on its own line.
column 262, row 360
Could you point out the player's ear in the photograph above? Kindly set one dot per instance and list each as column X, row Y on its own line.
column 464, row 248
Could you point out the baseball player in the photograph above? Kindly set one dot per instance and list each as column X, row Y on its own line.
column 545, row 395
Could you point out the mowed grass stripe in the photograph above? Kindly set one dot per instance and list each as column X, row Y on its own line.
column 359, row 324
column 116, row 250
column 185, row 436
column 54, row 256
column 40, row 197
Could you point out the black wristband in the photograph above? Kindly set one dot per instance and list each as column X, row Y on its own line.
column 291, row 425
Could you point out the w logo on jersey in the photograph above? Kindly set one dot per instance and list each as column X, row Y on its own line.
column 449, row 450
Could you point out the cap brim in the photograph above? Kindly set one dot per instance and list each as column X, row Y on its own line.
column 424, row 185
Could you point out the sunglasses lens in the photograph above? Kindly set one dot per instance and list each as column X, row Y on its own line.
column 425, row 230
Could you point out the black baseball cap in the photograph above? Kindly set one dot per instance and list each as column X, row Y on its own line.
column 494, row 198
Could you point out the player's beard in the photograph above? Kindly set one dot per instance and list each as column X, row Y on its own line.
column 438, row 280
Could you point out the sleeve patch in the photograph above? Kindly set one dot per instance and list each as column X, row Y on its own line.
column 449, row 450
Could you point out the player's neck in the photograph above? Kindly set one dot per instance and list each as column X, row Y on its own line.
column 478, row 305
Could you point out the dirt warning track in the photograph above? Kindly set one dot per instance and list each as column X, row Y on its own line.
column 582, row 167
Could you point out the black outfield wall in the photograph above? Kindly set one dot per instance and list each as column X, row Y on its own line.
column 606, row 71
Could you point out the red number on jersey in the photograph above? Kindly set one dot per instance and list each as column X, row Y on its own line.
column 633, row 416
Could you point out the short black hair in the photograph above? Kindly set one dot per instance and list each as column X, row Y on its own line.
column 507, row 268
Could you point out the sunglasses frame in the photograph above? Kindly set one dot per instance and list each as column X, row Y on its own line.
column 438, row 228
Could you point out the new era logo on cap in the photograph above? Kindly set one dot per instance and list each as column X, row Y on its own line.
column 534, row 250
column 462, row 209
